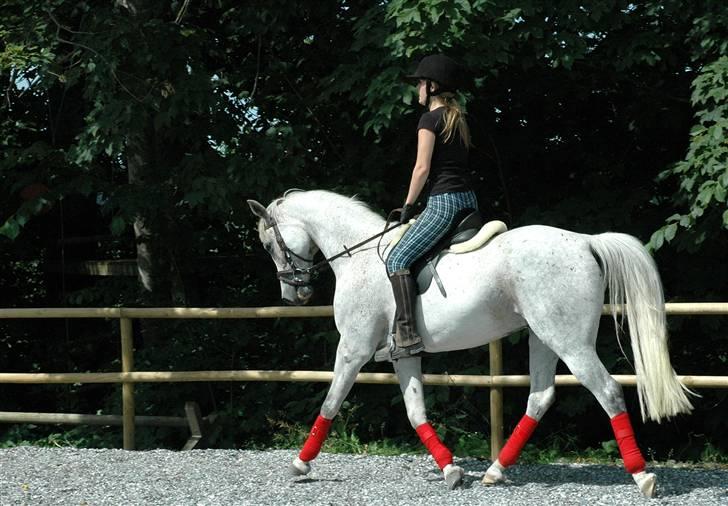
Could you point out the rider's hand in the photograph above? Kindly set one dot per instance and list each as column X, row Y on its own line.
column 408, row 212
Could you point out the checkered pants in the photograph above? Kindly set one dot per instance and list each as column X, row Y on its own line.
column 433, row 223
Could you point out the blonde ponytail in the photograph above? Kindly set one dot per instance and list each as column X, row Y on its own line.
column 454, row 119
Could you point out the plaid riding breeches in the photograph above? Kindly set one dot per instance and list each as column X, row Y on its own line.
column 430, row 227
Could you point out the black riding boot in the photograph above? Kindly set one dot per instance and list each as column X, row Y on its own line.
column 407, row 342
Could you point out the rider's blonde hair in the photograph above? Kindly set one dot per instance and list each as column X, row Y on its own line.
column 454, row 119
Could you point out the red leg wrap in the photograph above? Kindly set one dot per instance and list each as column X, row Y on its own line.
column 631, row 454
column 439, row 451
column 316, row 438
column 510, row 452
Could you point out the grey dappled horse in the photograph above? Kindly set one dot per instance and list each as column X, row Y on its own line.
column 548, row 280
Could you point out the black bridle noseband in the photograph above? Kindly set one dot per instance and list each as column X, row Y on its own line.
column 294, row 274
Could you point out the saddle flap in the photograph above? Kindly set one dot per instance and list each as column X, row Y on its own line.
column 465, row 241
column 468, row 223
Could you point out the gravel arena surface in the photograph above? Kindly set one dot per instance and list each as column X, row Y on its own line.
column 67, row 476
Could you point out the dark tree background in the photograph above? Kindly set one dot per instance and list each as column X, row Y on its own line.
column 133, row 131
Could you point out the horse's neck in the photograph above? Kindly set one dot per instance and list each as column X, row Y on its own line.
column 336, row 222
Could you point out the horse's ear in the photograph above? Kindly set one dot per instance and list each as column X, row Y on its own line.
column 259, row 210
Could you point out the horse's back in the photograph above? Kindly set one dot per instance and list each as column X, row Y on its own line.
column 553, row 273
column 519, row 276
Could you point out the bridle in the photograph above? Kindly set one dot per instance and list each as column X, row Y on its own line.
column 294, row 275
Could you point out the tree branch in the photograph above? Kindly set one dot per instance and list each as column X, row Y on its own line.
column 99, row 55
column 257, row 66
column 182, row 12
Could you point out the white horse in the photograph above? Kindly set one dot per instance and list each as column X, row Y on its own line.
column 549, row 280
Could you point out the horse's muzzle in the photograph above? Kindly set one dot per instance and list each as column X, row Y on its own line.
column 303, row 296
column 304, row 293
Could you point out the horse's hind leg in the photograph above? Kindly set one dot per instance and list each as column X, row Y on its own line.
column 584, row 363
column 542, row 367
column 409, row 372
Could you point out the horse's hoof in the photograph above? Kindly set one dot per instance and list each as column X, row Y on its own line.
column 453, row 476
column 494, row 474
column 299, row 468
column 647, row 482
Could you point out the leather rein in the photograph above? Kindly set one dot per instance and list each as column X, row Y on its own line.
column 294, row 275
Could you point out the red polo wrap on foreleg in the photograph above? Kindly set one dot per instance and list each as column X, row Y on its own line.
column 439, row 451
column 316, row 438
column 631, row 454
column 521, row 434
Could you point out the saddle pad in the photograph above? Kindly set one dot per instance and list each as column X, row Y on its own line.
column 485, row 234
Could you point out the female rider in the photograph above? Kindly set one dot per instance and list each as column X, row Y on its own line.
column 443, row 142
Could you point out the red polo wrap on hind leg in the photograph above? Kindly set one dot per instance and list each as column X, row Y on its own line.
column 439, row 451
column 631, row 454
column 316, row 438
column 510, row 452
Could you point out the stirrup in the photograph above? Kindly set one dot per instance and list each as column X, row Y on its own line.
column 393, row 352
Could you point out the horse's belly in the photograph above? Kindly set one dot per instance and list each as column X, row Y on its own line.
column 461, row 335
column 476, row 310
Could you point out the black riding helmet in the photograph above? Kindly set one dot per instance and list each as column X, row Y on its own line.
column 441, row 69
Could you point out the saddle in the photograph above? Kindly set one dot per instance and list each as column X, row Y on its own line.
column 467, row 234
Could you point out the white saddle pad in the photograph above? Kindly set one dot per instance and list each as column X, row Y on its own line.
column 485, row 234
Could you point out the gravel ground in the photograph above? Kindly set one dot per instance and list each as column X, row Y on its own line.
column 227, row 477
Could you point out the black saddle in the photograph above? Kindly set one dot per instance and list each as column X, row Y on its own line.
column 467, row 223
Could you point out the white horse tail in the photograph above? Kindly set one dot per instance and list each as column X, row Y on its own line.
column 632, row 278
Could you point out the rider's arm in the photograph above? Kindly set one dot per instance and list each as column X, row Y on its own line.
column 425, row 146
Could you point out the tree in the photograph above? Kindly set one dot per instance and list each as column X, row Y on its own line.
column 165, row 116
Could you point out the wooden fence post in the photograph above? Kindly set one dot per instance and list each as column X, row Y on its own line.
column 127, row 388
column 495, row 351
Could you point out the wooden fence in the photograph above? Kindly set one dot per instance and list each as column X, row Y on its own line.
column 495, row 381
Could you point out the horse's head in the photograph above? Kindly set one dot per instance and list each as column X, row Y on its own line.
column 291, row 249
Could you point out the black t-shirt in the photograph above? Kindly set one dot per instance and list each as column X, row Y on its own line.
column 449, row 165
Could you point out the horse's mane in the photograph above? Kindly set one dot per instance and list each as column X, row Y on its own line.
column 326, row 195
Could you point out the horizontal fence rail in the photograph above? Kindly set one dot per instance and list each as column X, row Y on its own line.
column 81, row 419
column 495, row 381
column 671, row 308
column 372, row 378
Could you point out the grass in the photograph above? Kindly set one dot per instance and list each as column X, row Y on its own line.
column 554, row 449
column 77, row 437
column 343, row 438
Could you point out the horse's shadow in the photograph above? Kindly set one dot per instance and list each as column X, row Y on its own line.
column 671, row 481
column 306, row 481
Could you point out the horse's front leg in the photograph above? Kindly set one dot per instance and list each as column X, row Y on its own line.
column 351, row 355
column 409, row 372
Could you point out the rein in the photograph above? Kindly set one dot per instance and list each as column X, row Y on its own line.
column 294, row 275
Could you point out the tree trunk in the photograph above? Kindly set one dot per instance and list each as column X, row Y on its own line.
column 155, row 244
column 158, row 272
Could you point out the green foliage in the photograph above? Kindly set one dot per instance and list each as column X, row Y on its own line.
column 77, row 437
column 139, row 112
column 703, row 175
column 713, row 455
